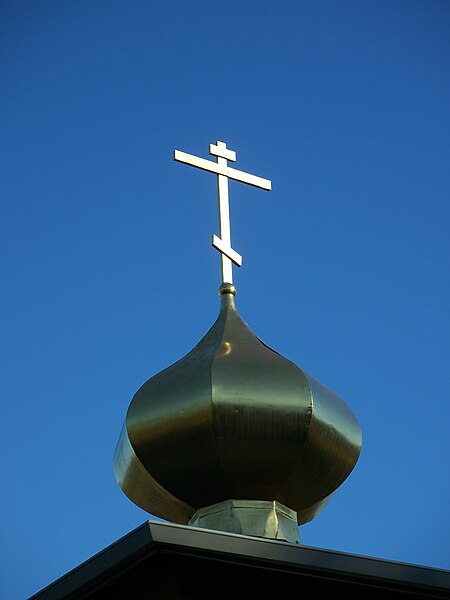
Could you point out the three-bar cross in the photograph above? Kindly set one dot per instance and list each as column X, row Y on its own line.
column 223, row 172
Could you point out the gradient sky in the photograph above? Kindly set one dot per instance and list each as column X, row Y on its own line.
column 109, row 276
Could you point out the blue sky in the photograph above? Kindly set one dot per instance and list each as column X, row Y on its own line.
column 109, row 276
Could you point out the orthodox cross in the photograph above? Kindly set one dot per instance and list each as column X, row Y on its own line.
column 223, row 172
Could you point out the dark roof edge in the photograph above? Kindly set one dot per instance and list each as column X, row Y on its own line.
column 108, row 563
column 285, row 556
column 156, row 536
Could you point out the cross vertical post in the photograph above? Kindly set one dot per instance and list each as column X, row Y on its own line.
column 224, row 218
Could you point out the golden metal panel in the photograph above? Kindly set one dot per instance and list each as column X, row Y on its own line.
column 235, row 419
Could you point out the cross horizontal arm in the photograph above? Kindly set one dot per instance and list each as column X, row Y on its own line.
column 207, row 165
column 222, row 152
column 224, row 249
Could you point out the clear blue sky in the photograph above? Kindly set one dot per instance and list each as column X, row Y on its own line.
column 108, row 275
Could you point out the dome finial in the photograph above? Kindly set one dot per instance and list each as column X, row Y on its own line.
column 223, row 154
column 227, row 288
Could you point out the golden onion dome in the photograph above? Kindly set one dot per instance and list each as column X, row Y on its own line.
column 234, row 421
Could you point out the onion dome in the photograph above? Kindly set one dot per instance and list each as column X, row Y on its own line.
column 231, row 425
column 234, row 436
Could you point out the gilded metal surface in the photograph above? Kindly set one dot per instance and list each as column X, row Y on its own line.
column 223, row 172
column 250, row 517
column 234, row 419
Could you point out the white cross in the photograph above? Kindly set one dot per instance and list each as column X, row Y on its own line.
column 223, row 172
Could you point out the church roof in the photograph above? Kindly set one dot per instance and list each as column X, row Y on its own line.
column 164, row 560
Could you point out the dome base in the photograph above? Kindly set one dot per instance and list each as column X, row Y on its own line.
column 260, row 518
